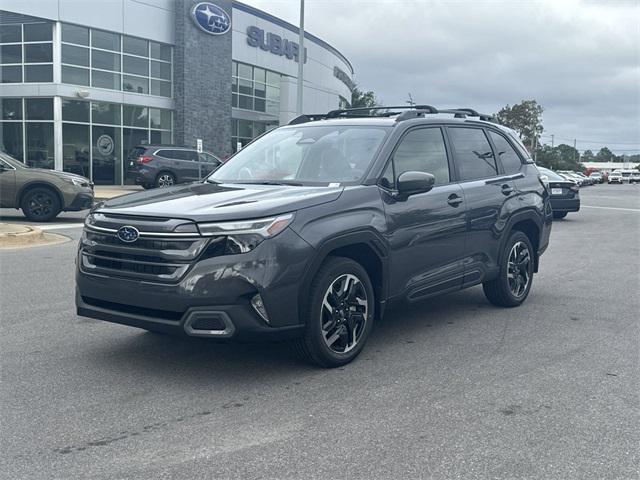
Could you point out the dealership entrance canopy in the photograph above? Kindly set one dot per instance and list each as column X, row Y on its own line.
column 82, row 84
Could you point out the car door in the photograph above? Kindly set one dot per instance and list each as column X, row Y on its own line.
column 208, row 163
column 181, row 163
column 7, row 185
column 488, row 193
column 425, row 231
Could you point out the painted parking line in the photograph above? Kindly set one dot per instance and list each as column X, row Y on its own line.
column 60, row 226
column 612, row 208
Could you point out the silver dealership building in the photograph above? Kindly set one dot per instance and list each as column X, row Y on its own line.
column 82, row 83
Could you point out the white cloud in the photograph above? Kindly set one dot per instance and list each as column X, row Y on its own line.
column 579, row 59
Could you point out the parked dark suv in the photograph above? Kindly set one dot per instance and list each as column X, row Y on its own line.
column 314, row 228
column 166, row 165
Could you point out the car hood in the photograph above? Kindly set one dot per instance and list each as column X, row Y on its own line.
column 56, row 173
column 214, row 202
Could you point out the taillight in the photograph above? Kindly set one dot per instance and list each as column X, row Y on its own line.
column 144, row 159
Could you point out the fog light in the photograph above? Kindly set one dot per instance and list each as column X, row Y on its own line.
column 258, row 306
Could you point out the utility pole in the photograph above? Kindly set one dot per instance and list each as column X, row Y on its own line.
column 574, row 150
column 300, row 59
column 534, row 150
column 552, row 135
column 410, row 101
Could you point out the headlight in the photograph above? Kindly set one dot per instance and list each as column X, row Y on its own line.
column 80, row 182
column 242, row 236
column 264, row 227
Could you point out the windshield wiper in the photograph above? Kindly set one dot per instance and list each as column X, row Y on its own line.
column 272, row 182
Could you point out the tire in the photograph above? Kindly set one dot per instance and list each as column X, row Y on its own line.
column 40, row 204
column 501, row 291
column 165, row 179
column 559, row 215
column 350, row 324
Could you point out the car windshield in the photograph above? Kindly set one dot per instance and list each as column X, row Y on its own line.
column 305, row 155
column 12, row 161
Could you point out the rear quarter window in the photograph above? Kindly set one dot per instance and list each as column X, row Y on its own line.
column 505, row 153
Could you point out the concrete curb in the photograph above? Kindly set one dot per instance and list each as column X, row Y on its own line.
column 15, row 236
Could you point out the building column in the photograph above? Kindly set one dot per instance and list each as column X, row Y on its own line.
column 57, row 133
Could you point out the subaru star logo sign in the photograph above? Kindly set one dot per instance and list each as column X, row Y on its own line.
column 128, row 234
column 211, row 18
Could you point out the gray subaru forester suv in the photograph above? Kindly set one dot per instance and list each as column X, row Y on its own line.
column 315, row 228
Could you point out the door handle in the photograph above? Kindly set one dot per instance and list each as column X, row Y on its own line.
column 454, row 200
column 507, row 189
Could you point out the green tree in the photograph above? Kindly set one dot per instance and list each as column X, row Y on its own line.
column 525, row 118
column 605, row 155
column 588, row 156
column 361, row 99
column 562, row 157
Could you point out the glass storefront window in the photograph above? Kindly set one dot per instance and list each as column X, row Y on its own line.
column 255, row 88
column 39, row 108
column 160, row 51
column 11, row 34
column 38, row 53
column 105, row 113
column 77, row 76
column 160, row 118
column 11, row 139
column 160, row 138
column 243, row 131
column 75, row 55
column 38, row 32
column 135, row 84
column 102, row 79
column 11, row 108
column 135, row 116
column 10, row 74
column 106, row 157
column 147, row 66
column 38, row 73
column 105, row 40
column 75, row 34
column 10, row 54
column 135, row 65
column 135, row 46
column 105, row 60
column 75, row 111
column 39, row 136
column 75, row 149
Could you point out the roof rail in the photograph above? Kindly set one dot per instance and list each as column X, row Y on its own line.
column 410, row 111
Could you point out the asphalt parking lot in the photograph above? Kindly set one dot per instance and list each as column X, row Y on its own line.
column 447, row 388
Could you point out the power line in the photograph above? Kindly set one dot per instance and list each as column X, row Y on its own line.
column 600, row 142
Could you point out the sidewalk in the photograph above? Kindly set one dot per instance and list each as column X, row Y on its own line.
column 14, row 236
column 103, row 192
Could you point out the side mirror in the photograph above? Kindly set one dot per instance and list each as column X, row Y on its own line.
column 410, row 183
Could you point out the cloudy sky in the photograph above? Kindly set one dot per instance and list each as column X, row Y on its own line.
column 580, row 59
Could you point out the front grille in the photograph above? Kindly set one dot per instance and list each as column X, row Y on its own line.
column 159, row 259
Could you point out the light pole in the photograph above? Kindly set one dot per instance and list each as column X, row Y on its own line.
column 300, row 59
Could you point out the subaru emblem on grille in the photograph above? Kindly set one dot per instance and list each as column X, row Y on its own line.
column 128, row 234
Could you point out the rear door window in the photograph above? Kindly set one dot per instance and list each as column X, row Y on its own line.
column 137, row 152
column 472, row 153
column 510, row 159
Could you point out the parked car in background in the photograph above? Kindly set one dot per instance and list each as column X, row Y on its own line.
column 615, row 177
column 41, row 193
column 565, row 194
column 571, row 176
column 597, row 177
column 626, row 174
column 585, row 179
column 167, row 165
column 635, row 176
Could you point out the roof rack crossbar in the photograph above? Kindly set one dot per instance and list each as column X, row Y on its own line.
column 349, row 111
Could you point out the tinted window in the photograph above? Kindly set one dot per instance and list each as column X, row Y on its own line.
column 423, row 151
column 178, row 154
column 507, row 155
column 473, row 154
column 205, row 157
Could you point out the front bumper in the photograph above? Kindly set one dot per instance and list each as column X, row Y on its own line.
column 82, row 201
column 213, row 297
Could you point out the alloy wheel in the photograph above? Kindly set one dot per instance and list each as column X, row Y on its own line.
column 40, row 205
column 343, row 317
column 519, row 269
column 165, row 180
